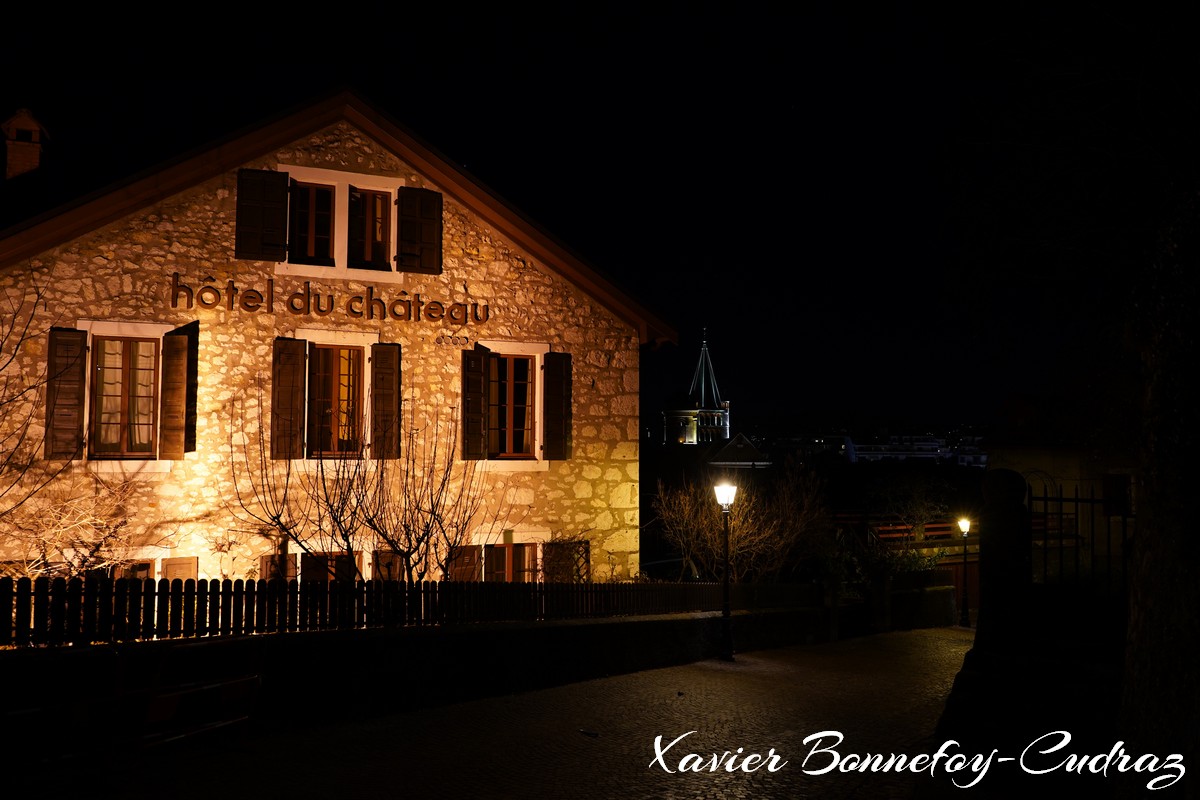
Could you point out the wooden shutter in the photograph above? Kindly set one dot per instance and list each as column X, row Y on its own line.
column 277, row 566
column 474, row 403
column 556, row 406
column 287, row 398
column 65, row 388
column 418, row 230
column 495, row 563
column 262, row 215
column 184, row 568
column 463, row 563
column 386, row 420
column 314, row 567
column 177, row 409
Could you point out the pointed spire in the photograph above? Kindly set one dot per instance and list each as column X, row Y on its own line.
column 704, row 389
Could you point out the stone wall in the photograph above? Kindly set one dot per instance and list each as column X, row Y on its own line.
column 148, row 267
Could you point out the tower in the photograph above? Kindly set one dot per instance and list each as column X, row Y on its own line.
column 702, row 416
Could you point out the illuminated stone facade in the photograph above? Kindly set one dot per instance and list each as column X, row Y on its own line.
column 168, row 262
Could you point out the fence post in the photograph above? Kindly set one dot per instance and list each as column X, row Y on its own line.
column 7, row 609
column 75, row 610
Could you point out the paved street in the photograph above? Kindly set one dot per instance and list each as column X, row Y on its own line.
column 596, row 739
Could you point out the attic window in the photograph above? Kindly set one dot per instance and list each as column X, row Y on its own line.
column 320, row 223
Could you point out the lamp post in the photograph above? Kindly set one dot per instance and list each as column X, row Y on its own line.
column 964, row 618
column 726, row 491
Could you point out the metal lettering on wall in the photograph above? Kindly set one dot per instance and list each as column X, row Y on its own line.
column 307, row 301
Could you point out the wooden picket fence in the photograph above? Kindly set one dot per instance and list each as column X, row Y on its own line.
column 57, row 611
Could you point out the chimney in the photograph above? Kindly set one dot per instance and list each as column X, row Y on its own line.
column 22, row 143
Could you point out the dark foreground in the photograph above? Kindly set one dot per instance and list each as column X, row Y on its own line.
column 882, row 693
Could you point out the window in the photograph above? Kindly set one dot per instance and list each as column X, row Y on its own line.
column 318, row 405
column 184, row 568
column 277, row 565
column 310, row 221
column 370, row 234
column 387, row 566
column 124, row 378
column 310, row 224
column 516, row 405
column 330, row 566
column 134, row 570
column 335, row 400
column 496, row 563
column 510, row 406
column 141, row 399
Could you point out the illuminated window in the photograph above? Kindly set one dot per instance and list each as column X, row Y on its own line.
column 310, row 225
column 510, row 406
column 330, row 567
column 494, row 563
column 134, row 395
column 309, row 220
column 516, row 405
column 369, row 234
column 335, row 400
column 125, row 374
column 338, row 397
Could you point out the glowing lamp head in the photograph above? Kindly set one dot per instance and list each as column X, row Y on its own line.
column 725, row 494
column 964, row 525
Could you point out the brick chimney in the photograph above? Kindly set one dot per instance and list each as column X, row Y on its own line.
column 23, row 137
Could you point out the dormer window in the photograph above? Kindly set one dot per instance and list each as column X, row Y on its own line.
column 322, row 223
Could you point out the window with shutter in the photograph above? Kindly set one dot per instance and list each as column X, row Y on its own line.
column 184, row 568
column 123, row 412
column 287, row 398
column 316, row 222
column 140, row 400
column 419, row 230
column 65, row 387
column 516, row 403
column 318, row 404
column 261, row 215
column 180, row 368
column 276, row 566
column 330, row 567
column 386, row 419
column 335, row 380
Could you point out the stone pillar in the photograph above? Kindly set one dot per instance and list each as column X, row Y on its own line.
column 1005, row 569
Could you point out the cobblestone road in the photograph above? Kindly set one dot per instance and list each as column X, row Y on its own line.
column 595, row 739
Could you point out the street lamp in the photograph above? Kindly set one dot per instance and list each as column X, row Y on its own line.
column 726, row 491
column 964, row 618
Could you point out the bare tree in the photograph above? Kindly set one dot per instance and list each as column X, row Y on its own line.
column 691, row 521
column 418, row 507
column 810, row 546
column 79, row 525
column 774, row 525
column 916, row 498
column 269, row 493
column 22, row 400
column 427, row 503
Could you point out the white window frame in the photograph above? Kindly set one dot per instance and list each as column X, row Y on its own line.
column 341, row 182
column 322, row 336
column 538, row 350
column 126, row 468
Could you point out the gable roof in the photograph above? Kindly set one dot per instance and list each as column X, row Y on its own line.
column 82, row 215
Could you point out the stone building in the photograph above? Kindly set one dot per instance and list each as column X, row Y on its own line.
column 315, row 347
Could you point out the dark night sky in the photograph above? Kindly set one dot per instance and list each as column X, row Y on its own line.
column 880, row 212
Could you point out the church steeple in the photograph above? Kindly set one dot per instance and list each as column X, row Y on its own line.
column 706, row 417
column 704, row 389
